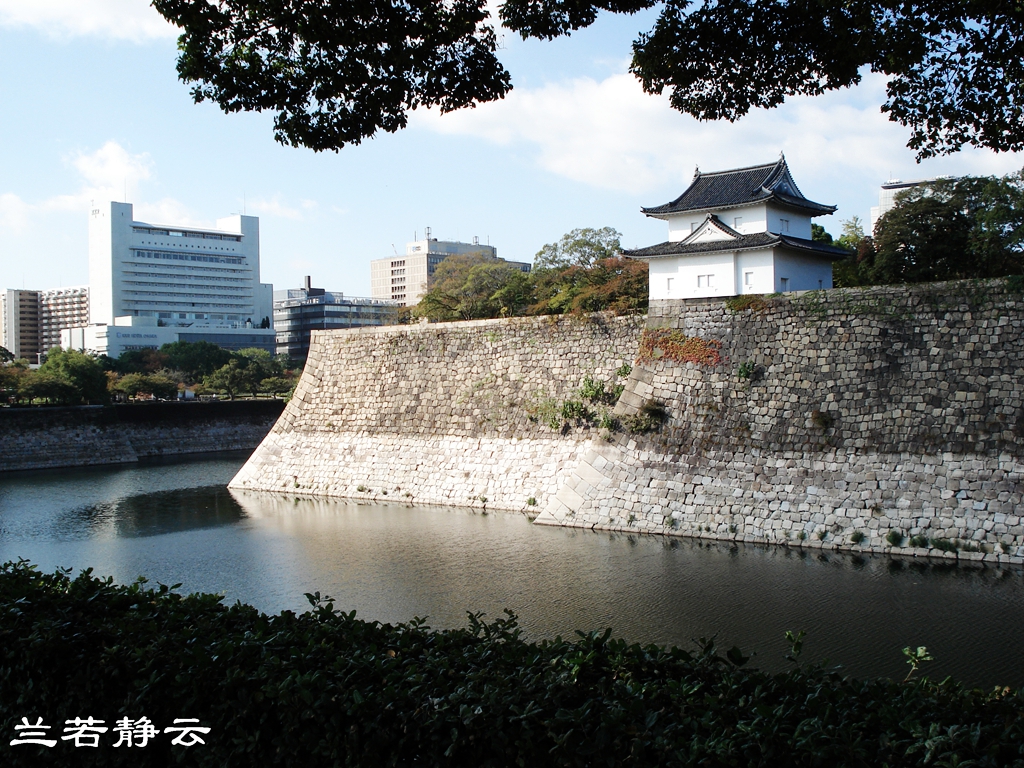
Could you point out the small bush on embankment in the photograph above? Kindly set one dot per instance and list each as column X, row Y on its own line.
column 324, row 688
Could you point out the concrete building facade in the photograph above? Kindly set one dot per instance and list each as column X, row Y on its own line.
column 299, row 311
column 173, row 283
column 19, row 311
column 60, row 309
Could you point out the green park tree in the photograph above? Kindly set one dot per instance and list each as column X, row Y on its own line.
column 140, row 361
column 158, row 385
column 73, row 377
column 229, row 379
column 336, row 72
column 195, row 359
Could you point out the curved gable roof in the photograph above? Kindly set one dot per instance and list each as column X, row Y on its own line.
column 738, row 187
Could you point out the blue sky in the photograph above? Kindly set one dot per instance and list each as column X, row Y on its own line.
column 92, row 108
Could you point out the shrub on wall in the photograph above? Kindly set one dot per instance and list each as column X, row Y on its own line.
column 673, row 345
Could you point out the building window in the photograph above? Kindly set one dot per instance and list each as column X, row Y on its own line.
column 704, row 281
column 693, row 227
column 668, row 285
column 783, row 225
column 736, row 222
column 784, row 283
column 748, row 279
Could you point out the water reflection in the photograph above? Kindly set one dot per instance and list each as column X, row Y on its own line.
column 392, row 562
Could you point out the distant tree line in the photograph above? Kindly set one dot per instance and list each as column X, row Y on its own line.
column 582, row 272
column 70, row 377
column 950, row 229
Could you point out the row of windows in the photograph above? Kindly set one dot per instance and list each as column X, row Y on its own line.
column 171, row 256
column 184, row 233
column 398, row 263
column 201, row 286
column 220, row 274
column 708, row 281
column 183, row 294
column 172, row 304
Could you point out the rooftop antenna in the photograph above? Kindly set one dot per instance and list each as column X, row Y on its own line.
column 243, row 202
column 426, row 233
column 394, row 249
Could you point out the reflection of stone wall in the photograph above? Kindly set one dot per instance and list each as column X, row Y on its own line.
column 450, row 413
column 37, row 438
column 829, row 417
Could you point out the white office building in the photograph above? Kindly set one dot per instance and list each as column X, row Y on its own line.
column 152, row 284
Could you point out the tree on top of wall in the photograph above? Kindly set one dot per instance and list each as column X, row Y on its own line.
column 952, row 229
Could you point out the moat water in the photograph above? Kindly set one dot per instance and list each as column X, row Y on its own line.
column 176, row 522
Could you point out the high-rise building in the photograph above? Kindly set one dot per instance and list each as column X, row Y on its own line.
column 60, row 309
column 299, row 311
column 19, row 310
column 152, row 284
column 405, row 279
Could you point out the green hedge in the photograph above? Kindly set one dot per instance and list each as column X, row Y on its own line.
column 324, row 688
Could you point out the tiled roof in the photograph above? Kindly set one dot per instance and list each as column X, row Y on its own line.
column 741, row 243
column 742, row 186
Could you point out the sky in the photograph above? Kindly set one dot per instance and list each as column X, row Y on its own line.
column 92, row 110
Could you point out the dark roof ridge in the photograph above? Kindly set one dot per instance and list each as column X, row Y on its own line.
column 739, row 187
column 757, row 167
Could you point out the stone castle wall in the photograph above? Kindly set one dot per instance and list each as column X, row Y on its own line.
column 848, row 418
column 887, row 419
column 452, row 413
column 40, row 438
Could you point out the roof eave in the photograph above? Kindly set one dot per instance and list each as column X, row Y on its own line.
column 655, row 214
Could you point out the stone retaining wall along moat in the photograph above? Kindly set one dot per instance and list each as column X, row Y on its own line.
column 41, row 438
column 886, row 419
column 451, row 413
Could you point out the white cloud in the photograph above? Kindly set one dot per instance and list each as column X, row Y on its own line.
column 169, row 211
column 610, row 134
column 113, row 173
column 109, row 173
column 134, row 20
column 274, row 207
column 14, row 212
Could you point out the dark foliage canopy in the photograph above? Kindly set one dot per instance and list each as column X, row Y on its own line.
column 337, row 71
